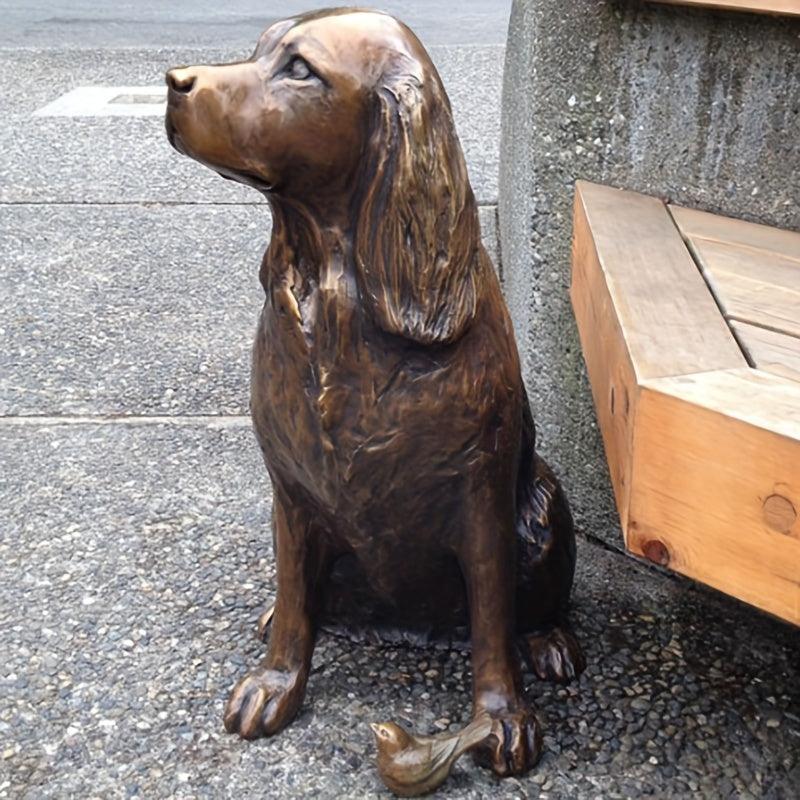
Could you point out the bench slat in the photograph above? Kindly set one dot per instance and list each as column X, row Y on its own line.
column 770, row 351
column 668, row 316
column 787, row 7
column 752, row 286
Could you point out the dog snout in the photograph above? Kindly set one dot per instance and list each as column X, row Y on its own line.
column 181, row 81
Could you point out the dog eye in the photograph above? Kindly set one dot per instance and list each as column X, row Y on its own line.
column 298, row 69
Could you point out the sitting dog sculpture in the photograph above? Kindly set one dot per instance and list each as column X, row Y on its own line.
column 386, row 389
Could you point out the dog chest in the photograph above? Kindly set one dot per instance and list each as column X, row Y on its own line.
column 351, row 418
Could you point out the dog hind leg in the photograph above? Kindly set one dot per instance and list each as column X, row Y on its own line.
column 553, row 655
column 546, row 565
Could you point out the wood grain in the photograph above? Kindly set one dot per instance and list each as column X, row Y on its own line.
column 760, row 399
column 605, row 350
column 700, row 224
column 717, row 483
column 666, row 313
column 753, row 286
column 757, row 265
column 770, row 351
column 783, row 7
column 703, row 450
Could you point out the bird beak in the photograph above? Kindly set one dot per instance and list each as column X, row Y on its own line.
column 376, row 728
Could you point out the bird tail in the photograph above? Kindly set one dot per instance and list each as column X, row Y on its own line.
column 474, row 733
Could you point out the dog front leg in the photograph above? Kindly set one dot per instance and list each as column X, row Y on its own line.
column 487, row 559
column 268, row 698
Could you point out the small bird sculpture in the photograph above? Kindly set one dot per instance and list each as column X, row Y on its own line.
column 412, row 765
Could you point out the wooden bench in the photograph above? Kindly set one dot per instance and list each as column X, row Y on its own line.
column 690, row 328
column 788, row 7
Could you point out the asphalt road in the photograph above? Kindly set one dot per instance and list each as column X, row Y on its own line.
column 153, row 23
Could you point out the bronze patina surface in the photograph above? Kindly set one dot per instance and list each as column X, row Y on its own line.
column 386, row 389
column 413, row 765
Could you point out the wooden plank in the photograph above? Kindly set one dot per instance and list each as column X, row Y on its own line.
column 762, row 400
column 705, row 462
column 770, row 351
column 760, row 265
column 784, row 7
column 716, row 491
column 605, row 351
column 666, row 313
column 752, row 285
column 700, row 224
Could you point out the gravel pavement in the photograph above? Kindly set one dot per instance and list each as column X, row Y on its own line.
column 135, row 560
column 134, row 548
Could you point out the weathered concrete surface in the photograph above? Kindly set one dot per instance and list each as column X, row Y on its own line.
column 699, row 107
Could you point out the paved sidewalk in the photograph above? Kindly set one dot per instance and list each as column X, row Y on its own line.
column 134, row 547
column 135, row 560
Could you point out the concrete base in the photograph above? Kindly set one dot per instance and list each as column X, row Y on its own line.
column 698, row 107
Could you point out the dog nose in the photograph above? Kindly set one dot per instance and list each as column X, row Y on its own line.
column 181, row 81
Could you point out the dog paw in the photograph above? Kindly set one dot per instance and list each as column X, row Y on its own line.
column 264, row 702
column 554, row 656
column 514, row 745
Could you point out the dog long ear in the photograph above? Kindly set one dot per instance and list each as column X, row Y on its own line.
column 417, row 236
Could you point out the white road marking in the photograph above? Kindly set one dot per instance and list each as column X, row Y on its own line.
column 108, row 101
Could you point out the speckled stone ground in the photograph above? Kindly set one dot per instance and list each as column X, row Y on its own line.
column 135, row 559
column 134, row 547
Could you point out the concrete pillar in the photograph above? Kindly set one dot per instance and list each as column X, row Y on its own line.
column 699, row 107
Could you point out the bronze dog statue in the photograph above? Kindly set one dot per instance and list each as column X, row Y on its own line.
column 386, row 390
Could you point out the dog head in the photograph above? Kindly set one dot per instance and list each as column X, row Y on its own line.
column 342, row 113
